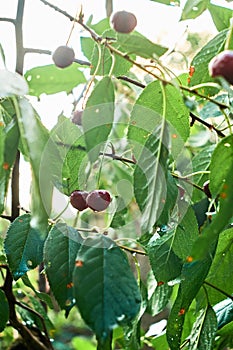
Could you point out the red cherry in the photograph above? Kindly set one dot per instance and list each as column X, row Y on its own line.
column 78, row 199
column 98, row 200
column 123, row 22
column 222, row 65
column 63, row 56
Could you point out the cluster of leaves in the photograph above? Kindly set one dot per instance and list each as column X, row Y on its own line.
column 187, row 236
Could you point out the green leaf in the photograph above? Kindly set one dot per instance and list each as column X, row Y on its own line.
column 60, row 250
column 12, row 84
column 204, row 330
column 108, row 61
column 150, row 176
column 136, row 43
column 98, row 117
column 23, row 246
column 9, row 145
column 87, row 45
column 50, row 79
column 105, row 289
column 119, row 218
column 221, row 16
column 34, row 137
column 224, row 312
column 69, row 164
column 166, row 265
column 201, row 61
column 158, row 295
column 221, row 163
column 192, row 278
column 82, row 343
column 185, row 233
column 221, row 268
column 202, row 245
column 194, row 8
column 4, row 310
column 147, row 111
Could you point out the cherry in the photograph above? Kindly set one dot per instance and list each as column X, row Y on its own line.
column 77, row 117
column 98, row 200
column 206, row 189
column 63, row 56
column 123, row 22
column 222, row 65
column 78, row 199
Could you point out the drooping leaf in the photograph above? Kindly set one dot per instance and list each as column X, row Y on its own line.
column 204, row 330
column 98, row 117
column 221, row 163
column 69, row 165
column 118, row 219
column 12, row 84
column 166, row 265
column 147, row 112
column 105, row 289
column 34, row 137
column 221, row 16
column 194, row 8
column 221, row 269
column 136, row 43
column 192, row 277
column 186, row 232
column 158, row 295
column 23, row 246
column 4, row 310
column 150, row 176
column 224, row 179
column 201, row 60
column 60, row 250
column 50, row 79
column 8, row 148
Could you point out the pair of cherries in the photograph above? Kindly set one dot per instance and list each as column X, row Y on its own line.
column 97, row 200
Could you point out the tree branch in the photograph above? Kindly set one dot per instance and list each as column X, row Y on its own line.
column 209, row 126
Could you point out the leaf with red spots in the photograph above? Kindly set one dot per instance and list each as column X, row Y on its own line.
column 61, row 248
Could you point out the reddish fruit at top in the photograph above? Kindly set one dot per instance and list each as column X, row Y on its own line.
column 63, row 56
column 98, row 200
column 123, row 22
column 78, row 199
column 222, row 65
column 77, row 117
column 206, row 189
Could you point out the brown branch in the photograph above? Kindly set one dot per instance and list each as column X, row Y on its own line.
column 186, row 179
column 129, row 80
column 209, row 126
column 31, row 340
column 10, row 20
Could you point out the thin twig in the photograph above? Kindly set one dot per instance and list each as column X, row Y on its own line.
column 209, row 126
column 132, row 250
column 129, row 80
column 110, row 155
